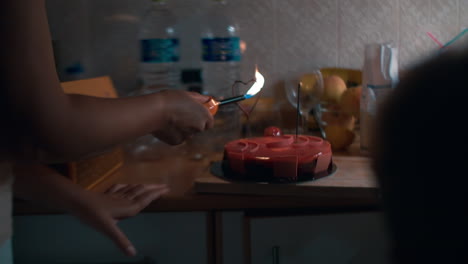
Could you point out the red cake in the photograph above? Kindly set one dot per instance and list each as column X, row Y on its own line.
column 277, row 158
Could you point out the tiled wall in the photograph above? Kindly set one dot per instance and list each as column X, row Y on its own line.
column 284, row 37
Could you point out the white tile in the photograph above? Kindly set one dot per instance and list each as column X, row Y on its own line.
column 463, row 14
column 417, row 18
column 114, row 46
column 444, row 12
column 362, row 22
column 66, row 15
column 428, row 14
column 352, row 45
column 367, row 14
column 69, row 30
column 415, row 12
column 256, row 28
column 284, row 37
column 307, row 36
column 415, row 45
column 189, row 14
column 114, row 29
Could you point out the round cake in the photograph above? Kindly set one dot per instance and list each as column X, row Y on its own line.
column 277, row 158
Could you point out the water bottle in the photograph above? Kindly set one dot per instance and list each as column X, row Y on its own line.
column 159, row 69
column 159, row 48
column 380, row 76
column 221, row 54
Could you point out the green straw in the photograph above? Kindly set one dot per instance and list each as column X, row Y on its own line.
column 455, row 38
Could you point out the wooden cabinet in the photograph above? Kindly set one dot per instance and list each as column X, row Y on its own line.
column 185, row 238
column 161, row 237
column 316, row 238
column 329, row 238
column 232, row 242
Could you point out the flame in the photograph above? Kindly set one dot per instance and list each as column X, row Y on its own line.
column 257, row 86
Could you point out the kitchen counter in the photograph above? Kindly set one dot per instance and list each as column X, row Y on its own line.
column 180, row 173
column 223, row 226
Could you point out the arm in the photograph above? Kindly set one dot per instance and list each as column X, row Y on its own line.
column 71, row 125
column 100, row 211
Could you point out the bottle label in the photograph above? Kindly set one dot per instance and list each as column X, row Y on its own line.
column 221, row 49
column 159, row 50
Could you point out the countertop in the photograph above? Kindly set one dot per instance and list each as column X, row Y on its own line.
column 180, row 173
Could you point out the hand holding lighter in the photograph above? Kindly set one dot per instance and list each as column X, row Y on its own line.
column 213, row 104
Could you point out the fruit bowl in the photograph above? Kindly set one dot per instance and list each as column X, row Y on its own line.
column 338, row 110
column 351, row 77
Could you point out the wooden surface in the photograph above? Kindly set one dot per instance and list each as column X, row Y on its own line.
column 353, row 177
column 352, row 186
column 181, row 173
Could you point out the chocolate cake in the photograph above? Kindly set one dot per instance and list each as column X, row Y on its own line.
column 277, row 158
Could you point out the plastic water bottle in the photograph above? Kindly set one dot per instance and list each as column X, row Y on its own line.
column 159, row 48
column 221, row 53
column 159, row 69
column 221, row 56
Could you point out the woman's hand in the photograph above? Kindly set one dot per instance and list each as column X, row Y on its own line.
column 102, row 211
column 183, row 115
column 40, row 184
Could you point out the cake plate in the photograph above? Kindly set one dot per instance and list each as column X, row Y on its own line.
column 220, row 170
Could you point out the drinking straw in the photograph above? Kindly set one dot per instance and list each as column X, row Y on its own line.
column 435, row 39
column 455, row 38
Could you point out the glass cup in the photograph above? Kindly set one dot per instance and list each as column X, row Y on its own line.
column 338, row 125
column 304, row 93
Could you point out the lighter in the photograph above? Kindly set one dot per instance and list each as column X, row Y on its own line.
column 213, row 104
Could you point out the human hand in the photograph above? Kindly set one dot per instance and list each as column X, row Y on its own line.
column 102, row 211
column 183, row 116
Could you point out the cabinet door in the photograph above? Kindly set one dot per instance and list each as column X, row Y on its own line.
column 232, row 237
column 161, row 237
column 329, row 239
